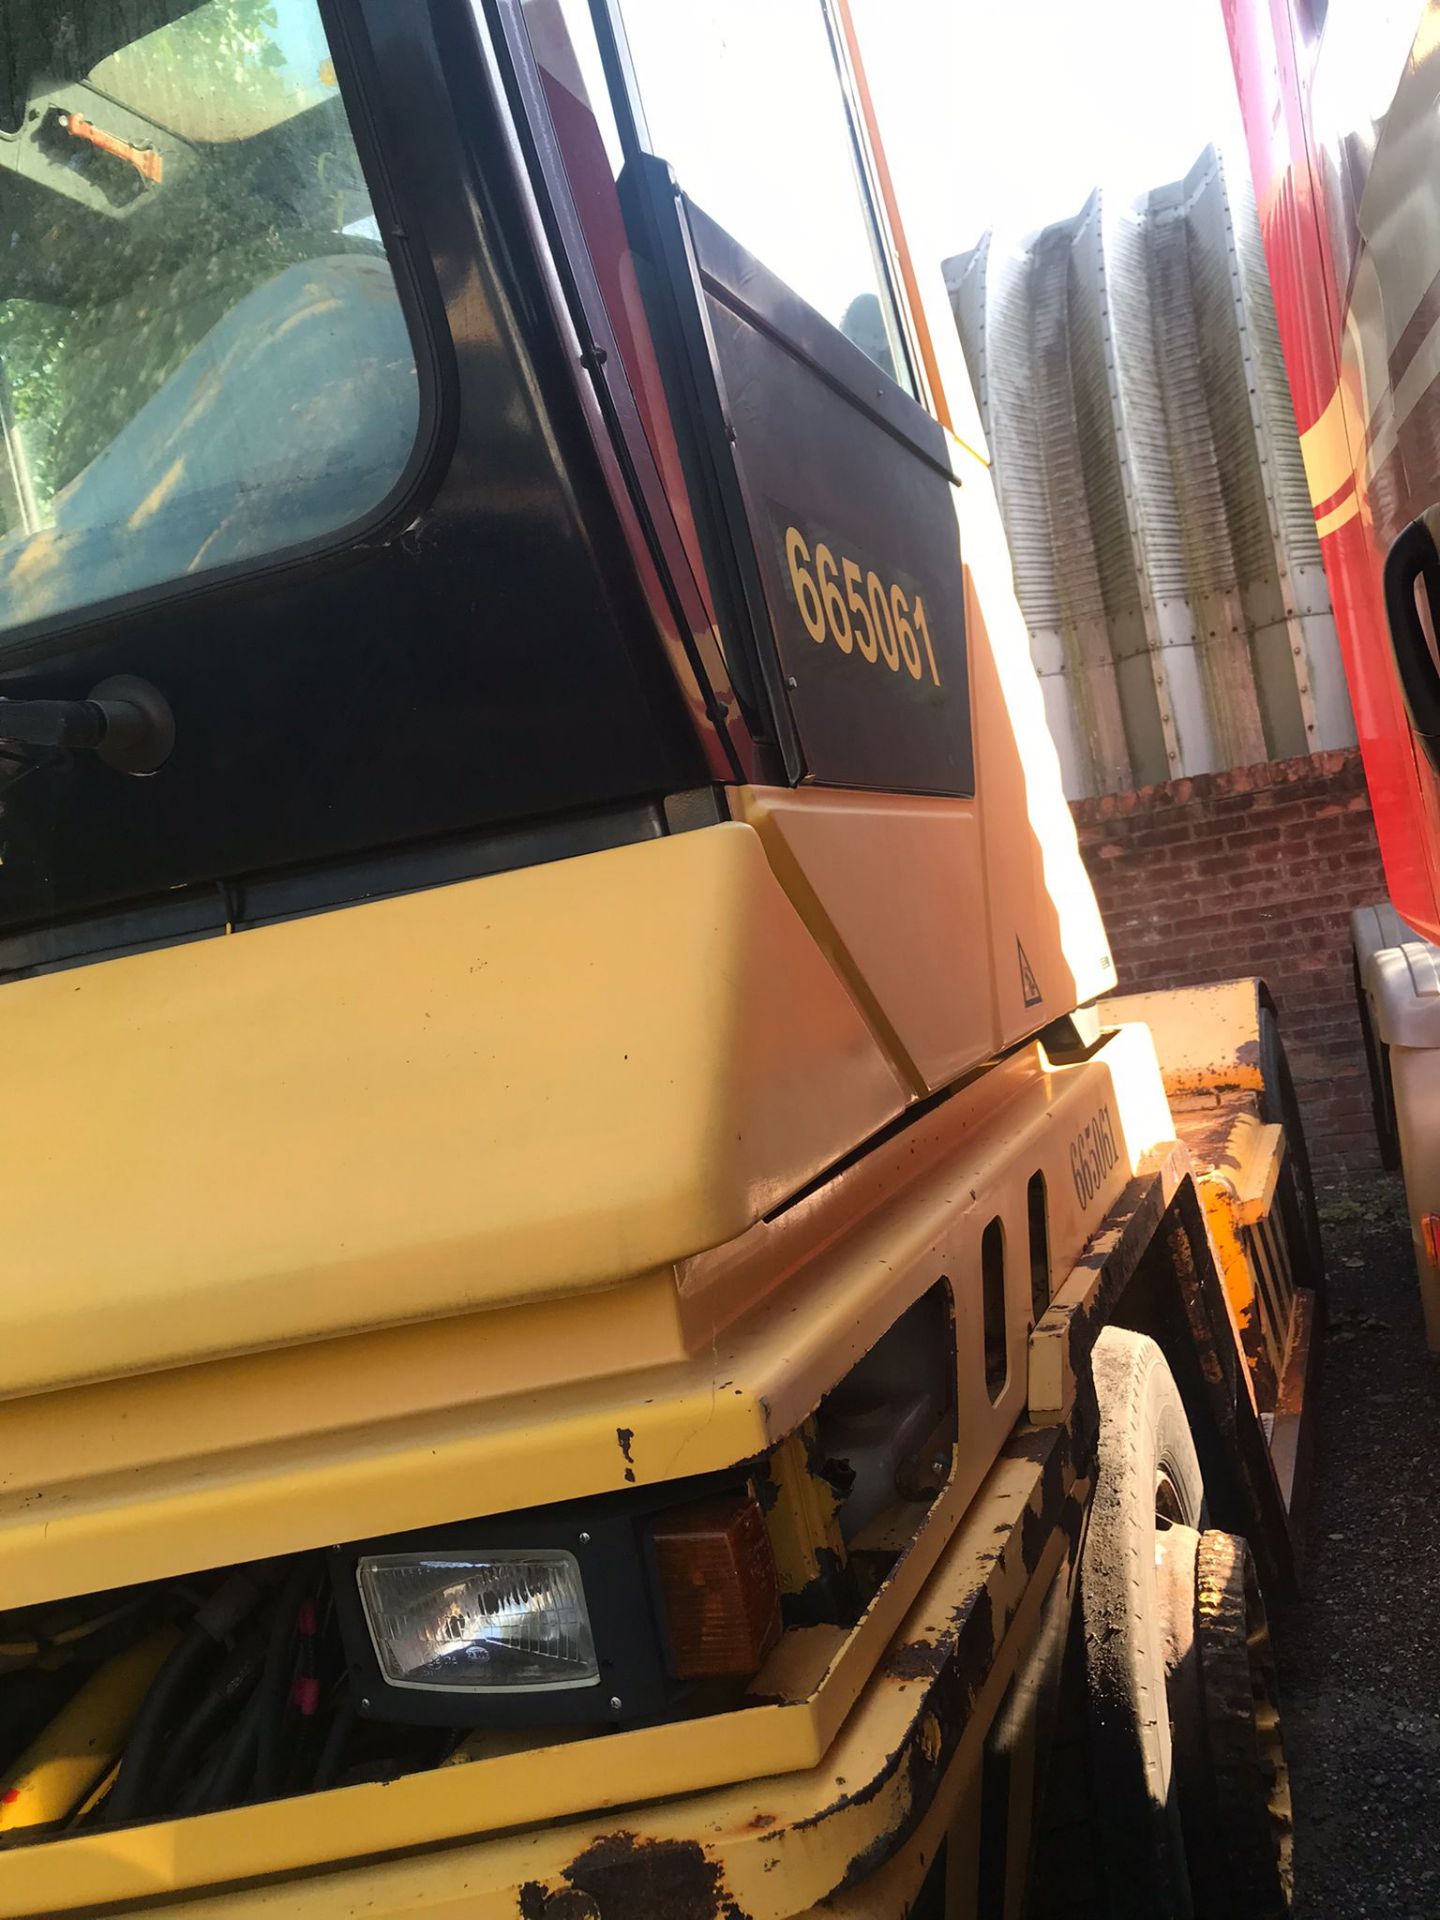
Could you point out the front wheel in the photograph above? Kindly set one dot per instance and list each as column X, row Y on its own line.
column 1189, row 1785
column 1147, row 1480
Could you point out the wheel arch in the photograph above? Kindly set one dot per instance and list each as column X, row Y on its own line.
column 1176, row 1297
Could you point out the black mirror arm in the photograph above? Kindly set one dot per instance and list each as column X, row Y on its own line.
column 125, row 722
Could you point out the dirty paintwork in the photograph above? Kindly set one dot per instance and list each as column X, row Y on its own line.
column 801, row 1505
column 1207, row 1038
column 1239, row 1160
column 757, row 1850
column 1205, row 1343
column 943, row 1662
column 822, row 1711
column 1203, row 1338
column 1060, row 1344
column 649, row 1879
column 1261, row 1340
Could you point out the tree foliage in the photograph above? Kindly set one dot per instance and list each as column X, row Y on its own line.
column 31, row 343
column 223, row 47
column 230, row 39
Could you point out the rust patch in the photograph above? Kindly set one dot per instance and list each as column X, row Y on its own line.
column 1247, row 1054
column 838, row 1475
column 861, row 1797
column 953, row 1672
column 919, row 1660
column 871, row 1858
column 626, row 1437
column 1034, row 1536
column 1032, row 1443
column 643, row 1879
column 568, row 1904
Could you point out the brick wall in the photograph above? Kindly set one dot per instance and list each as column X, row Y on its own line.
column 1253, row 871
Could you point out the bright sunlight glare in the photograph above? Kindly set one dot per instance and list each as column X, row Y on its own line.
column 1004, row 114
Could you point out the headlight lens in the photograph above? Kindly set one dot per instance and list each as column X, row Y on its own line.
column 479, row 1623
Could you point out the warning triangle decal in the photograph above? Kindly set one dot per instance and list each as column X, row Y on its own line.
column 1029, row 985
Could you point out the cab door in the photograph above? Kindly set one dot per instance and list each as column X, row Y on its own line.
column 829, row 523
column 757, row 319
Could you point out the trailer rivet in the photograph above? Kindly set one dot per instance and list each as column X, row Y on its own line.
column 615, row 1703
column 584, row 1539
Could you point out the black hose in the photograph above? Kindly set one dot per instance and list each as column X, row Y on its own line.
column 235, row 1679
column 127, row 1797
column 227, row 1772
column 273, row 1693
column 235, row 1768
column 193, row 1797
column 219, row 1617
column 337, row 1738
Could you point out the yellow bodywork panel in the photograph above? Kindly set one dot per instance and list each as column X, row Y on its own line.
column 893, row 889
column 776, row 1844
column 412, row 1426
column 1051, row 1359
column 1261, row 1338
column 1239, row 1181
column 536, row 1083
column 1254, row 1154
column 802, row 1522
column 1207, row 1038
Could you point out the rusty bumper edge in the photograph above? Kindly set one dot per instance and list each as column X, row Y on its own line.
column 940, row 1667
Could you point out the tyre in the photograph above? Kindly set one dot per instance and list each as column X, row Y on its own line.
column 1188, row 1782
column 1232, row 1781
column 1147, row 1480
column 1295, row 1193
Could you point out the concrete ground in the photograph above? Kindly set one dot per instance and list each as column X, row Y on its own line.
column 1360, row 1659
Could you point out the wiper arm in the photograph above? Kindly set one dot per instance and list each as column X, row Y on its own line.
column 126, row 722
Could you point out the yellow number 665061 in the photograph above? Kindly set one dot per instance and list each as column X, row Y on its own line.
column 888, row 629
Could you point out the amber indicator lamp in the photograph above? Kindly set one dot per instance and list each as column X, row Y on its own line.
column 719, row 1587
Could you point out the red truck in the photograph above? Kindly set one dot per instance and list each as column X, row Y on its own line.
column 1339, row 100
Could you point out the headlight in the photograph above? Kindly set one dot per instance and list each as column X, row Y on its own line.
column 596, row 1612
column 499, row 1621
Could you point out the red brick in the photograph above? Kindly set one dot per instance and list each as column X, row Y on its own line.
column 1253, row 870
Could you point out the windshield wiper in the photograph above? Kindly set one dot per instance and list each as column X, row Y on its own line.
column 126, row 722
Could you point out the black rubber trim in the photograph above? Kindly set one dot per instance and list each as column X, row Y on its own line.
column 1411, row 559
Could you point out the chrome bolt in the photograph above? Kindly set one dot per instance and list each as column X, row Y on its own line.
column 615, row 1703
column 584, row 1539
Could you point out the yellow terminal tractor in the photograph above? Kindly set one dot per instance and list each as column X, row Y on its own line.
column 598, row 1319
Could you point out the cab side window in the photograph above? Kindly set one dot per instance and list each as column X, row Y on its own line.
column 746, row 101
column 203, row 354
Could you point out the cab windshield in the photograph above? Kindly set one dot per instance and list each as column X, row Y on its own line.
column 203, row 354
